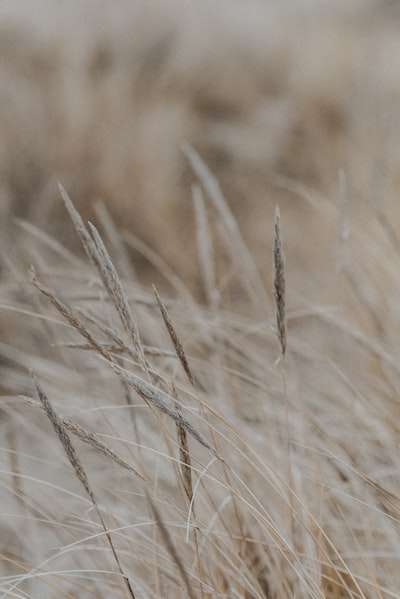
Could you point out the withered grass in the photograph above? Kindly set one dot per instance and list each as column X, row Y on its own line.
column 80, row 474
column 193, row 476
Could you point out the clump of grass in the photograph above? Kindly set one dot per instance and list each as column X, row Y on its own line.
column 192, row 464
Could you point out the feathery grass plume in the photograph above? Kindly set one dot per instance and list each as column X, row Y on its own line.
column 146, row 390
column 64, row 439
column 180, row 352
column 184, row 454
column 86, row 241
column 89, row 438
column 172, row 549
column 96, row 251
column 67, row 313
column 115, row 289
column 279, row 283
column 80, row 473
column 280, row 313
column 161, row 400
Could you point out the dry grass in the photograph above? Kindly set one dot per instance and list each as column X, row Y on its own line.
column 220, row 514
column 167, row 445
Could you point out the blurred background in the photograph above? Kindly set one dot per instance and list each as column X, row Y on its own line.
column 292, row 103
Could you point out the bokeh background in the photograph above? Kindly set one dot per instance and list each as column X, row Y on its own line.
column 278, row 98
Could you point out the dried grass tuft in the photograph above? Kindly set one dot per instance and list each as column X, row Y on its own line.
column 270, row 506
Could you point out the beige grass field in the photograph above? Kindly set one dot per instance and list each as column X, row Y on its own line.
column 200, row 385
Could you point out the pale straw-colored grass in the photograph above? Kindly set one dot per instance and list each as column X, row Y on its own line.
column 236, row 434
column 202, row 510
